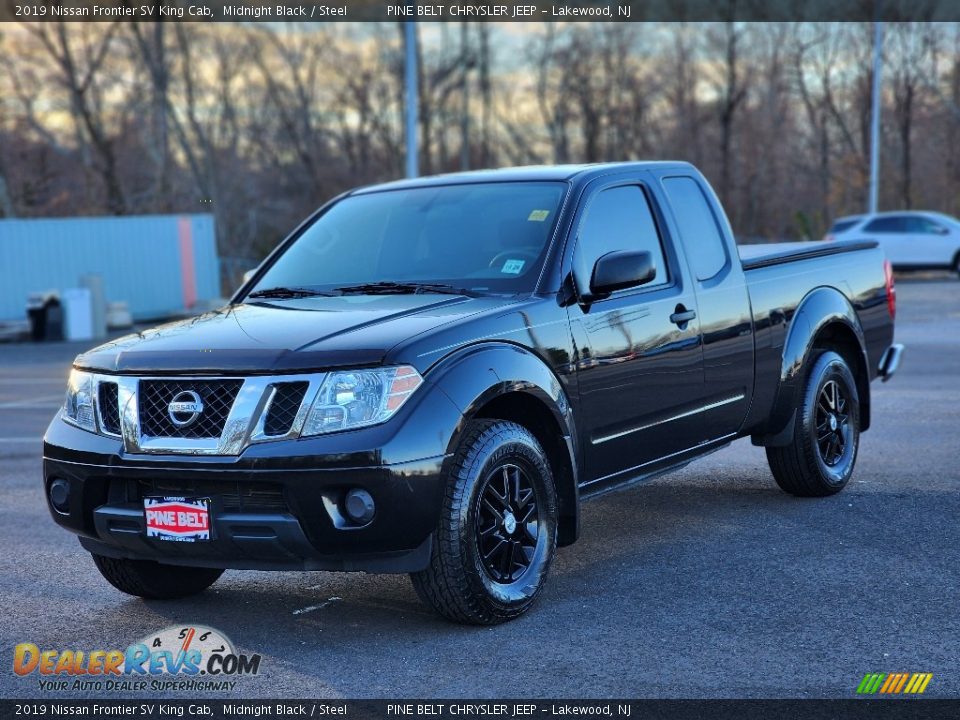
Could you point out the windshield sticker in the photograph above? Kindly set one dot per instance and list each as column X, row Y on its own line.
column 538, row 215
column 513, row 267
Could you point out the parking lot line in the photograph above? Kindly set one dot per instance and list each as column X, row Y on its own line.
column 31, row 381
column 321, row 606
column 49, row 401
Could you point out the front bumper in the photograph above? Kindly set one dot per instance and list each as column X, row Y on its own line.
column 277, row 505
column 290, row 522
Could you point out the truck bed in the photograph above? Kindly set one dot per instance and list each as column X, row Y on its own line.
column 765, row 255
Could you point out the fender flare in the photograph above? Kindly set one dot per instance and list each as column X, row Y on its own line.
column 821, row 308
column 474, row 376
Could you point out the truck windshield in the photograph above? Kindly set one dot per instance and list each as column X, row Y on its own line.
column 480, row 237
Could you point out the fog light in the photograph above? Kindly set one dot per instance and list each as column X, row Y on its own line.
column 60, row 495
column 358, row 505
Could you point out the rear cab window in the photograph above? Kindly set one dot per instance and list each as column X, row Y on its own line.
column 698, row 226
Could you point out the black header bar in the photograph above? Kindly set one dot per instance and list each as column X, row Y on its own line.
column 218, row 709
column 478, row 10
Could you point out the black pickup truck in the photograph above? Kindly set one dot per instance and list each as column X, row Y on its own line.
column 428, row 376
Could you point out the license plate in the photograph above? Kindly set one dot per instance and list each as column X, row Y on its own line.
column 181, row 519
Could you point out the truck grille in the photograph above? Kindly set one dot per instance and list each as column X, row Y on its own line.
column 109, row 407
column 155, row 397
column 231, row 497
column 283, row 408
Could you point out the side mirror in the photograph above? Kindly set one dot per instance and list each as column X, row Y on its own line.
column 621, row 269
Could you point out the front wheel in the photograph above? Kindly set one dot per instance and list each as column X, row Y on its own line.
column 498, row 528
column 153, row 580
column 820, row 458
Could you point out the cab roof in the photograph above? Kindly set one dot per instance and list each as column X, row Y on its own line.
column 529, row 173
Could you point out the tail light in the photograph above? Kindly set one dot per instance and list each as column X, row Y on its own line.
column 891, row 289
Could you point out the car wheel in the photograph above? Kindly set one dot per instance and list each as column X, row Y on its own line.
column 822, row 454
column 498, row 527
column 956, row 264
column 153, row 580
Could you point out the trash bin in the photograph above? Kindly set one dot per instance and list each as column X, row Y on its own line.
column 78, row 309
column 37, row 316
column 54, row 320
column 45, row 316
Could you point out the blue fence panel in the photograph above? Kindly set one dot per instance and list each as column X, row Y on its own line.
column 159, row 264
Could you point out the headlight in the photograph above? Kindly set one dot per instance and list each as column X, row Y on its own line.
column 357, row 398
column 78, row 406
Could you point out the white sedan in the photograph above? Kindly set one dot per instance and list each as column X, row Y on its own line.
column 912, row 240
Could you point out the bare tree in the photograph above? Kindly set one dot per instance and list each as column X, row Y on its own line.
column 151, row 44
column 548, row 53
column 79, row 68
column 731, row 90
column 910, row 51
column 6, row 202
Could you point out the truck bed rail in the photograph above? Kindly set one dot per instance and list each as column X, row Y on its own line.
column 759, row 256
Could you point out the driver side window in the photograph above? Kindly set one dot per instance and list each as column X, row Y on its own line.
column 618, row 218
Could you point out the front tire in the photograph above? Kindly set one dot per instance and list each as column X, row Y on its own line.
column 498, row 528
column 153, row 580
column 826, row 436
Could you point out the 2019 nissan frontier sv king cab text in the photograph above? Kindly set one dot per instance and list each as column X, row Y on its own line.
column 429, row 376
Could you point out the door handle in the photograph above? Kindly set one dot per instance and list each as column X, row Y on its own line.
column 682, row 316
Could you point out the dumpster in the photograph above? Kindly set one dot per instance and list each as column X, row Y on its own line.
column 45, row 316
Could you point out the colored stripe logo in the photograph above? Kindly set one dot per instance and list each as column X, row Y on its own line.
column 894, row 683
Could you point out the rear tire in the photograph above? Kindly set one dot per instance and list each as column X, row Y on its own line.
column 498, row 528
column 153, row 580
column 826, row 436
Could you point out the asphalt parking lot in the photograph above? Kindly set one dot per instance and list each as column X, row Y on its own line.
column 706, row 583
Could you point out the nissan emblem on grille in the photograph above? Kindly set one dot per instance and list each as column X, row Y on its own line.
column 185, row 408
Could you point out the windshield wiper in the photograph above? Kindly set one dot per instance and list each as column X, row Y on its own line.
column 287, row 292
column 405, row 288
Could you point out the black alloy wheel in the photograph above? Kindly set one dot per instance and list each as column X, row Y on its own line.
column 497, row 530
column 833, row 423
column 821, row 453
column 507, row 523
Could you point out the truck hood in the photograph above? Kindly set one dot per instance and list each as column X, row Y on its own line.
column 278, row 336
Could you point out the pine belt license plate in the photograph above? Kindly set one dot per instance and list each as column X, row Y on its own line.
column 180, row 519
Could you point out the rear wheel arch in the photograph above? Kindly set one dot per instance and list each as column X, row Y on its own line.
column 824, row 320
